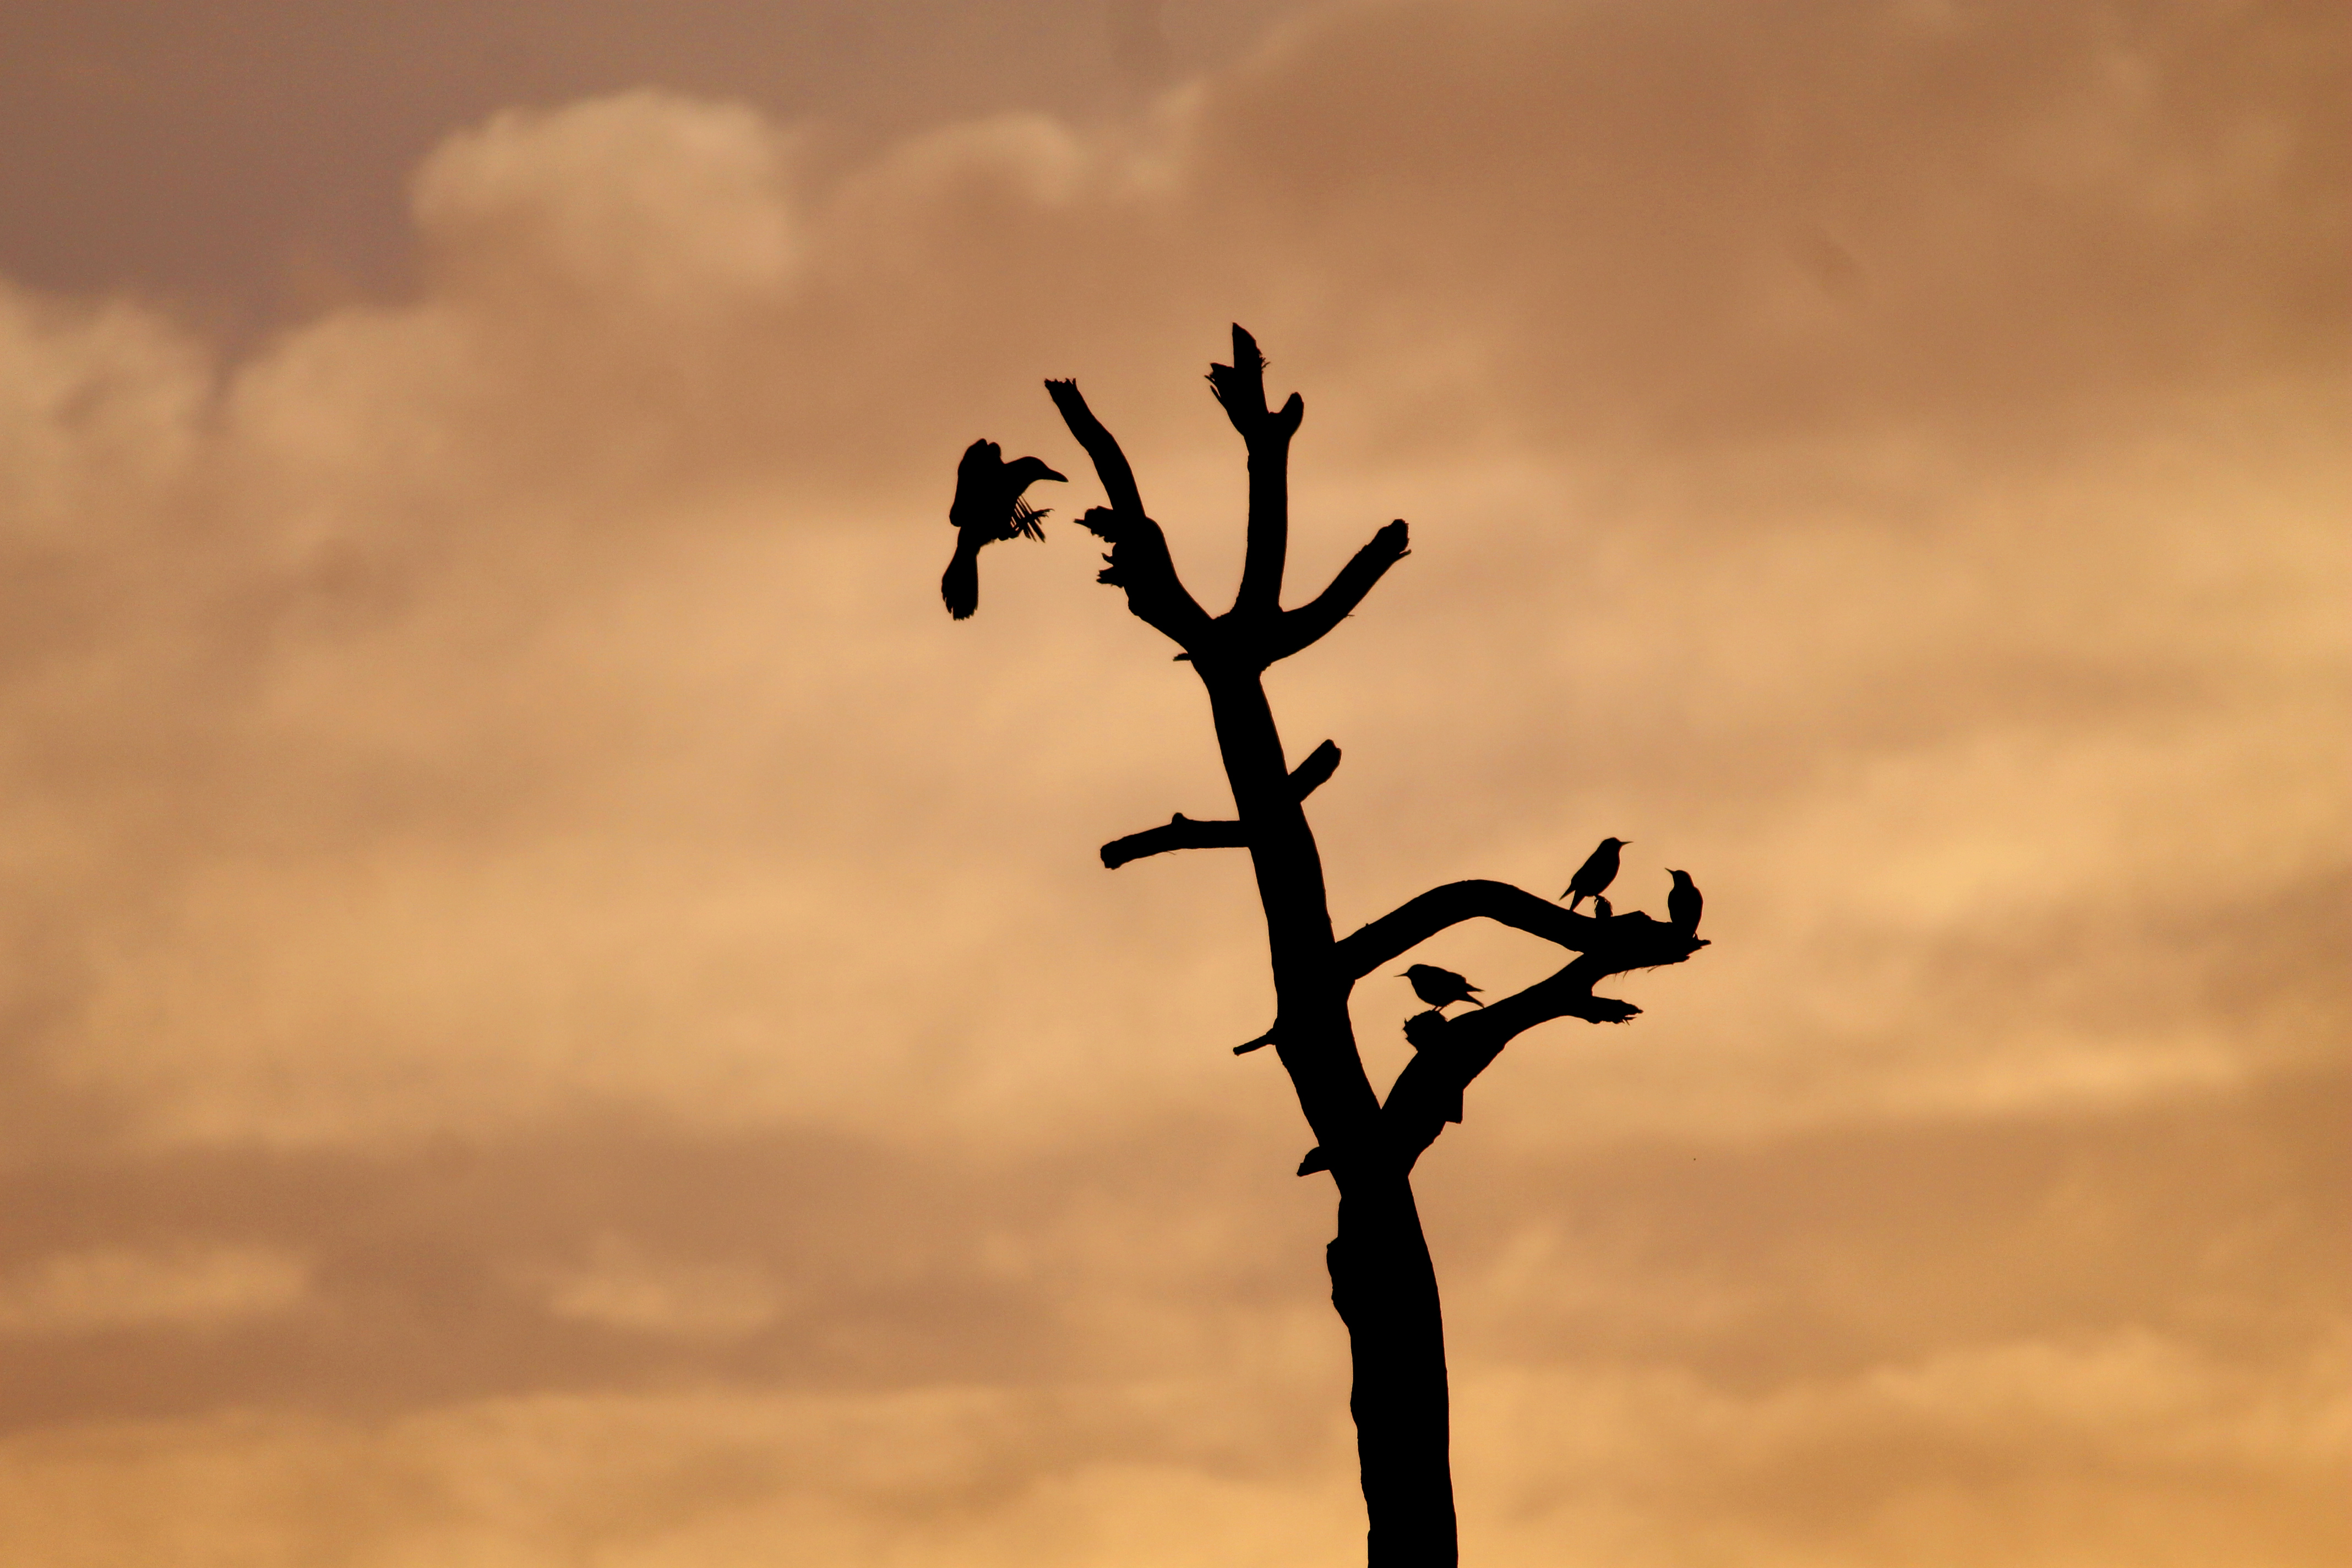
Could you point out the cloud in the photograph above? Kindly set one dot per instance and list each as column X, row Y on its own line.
column 497, row 813
column 1943, row 1461
column 618, row 1288
column 117, row 1288
column 1674, row 214
column 425, row 716
column 2069, row 1333
column 647, row 204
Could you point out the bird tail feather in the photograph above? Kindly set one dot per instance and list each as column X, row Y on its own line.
column 961, row 584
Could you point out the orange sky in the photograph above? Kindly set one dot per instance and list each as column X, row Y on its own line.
column 559, row 1011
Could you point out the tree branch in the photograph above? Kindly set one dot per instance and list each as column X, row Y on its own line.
column 1448, row 1053
column 1641, row 941
column 1180, row 832
column 1240, row 388
column 1306, row 779
column 1321, row 764
column 1306, row 625
column 1139, row 561
column 1102, row 447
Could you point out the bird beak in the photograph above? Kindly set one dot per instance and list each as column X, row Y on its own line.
column 1057, row 478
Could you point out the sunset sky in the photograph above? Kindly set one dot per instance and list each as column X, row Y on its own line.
column 561, row 1014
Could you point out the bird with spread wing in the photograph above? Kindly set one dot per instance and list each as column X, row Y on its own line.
column 987, row 506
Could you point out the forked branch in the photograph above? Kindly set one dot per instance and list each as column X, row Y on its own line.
column 1448, row 1053
column 1241, row 389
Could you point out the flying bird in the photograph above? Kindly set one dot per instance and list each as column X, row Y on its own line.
column 1439, row 987
column 1683, row 903
column 1600, row 870
column 987, row 506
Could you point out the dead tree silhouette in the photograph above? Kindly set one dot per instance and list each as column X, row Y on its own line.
column 1381, row 1280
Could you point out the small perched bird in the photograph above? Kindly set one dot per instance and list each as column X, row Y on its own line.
column 1600, row 870
column 1683, row 903
column 1439, row 987
column 987, row 506
column 1600, row 909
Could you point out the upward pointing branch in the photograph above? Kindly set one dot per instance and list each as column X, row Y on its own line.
column 1305, row 625
column 1111, row 463
column 1139, row 561
column 1241, row 387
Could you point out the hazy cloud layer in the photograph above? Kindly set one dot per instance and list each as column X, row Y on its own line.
column 245, row 161
column 557, row 1005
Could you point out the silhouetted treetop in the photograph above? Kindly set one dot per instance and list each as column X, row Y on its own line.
column 1381, row 1280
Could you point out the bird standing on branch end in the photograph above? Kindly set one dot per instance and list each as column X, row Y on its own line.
column 987, row 506
column 1592, row 878
column 1683, row 903
column 1439, row 987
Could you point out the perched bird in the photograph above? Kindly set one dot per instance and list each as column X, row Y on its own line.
column 1683, row 903
column 1440, row 986
column 987, row 506
column 1600, row 909
column 1600, row 870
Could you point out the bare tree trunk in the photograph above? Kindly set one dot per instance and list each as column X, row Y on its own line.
column 1381, row 1281
column 1386, row 1292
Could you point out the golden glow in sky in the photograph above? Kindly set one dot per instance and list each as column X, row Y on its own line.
column 560, row 1011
